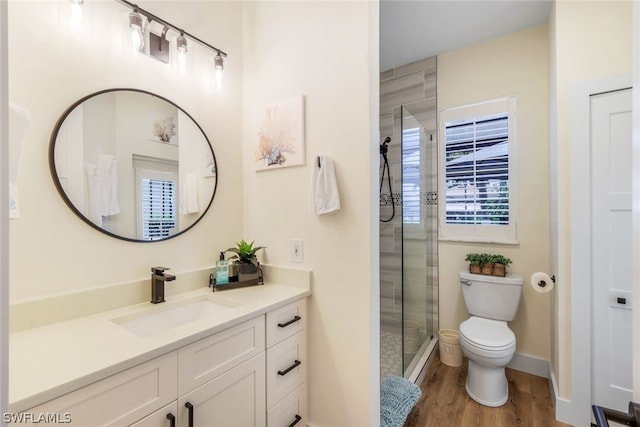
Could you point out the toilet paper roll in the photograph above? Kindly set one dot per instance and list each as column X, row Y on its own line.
column 541, row 282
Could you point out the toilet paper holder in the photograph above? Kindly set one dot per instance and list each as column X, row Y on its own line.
column 543, row 283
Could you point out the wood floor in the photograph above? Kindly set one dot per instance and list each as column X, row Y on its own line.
column 445, row 403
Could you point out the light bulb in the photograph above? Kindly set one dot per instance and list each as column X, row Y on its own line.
column 219, row 65
column 181, row 46
column 76, row 14
column 137, row 36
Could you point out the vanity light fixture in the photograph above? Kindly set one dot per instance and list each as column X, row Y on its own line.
column 181, row 46
column 158, row 44
column 76, row 13
column 136, row 23
column 219, row 65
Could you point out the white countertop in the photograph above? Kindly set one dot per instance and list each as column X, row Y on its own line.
column 52, row 360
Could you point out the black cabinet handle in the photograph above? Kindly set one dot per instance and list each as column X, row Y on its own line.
column 172, row 419
column 286, row 371
column 298, row 418
column 622, row 300
column 189, row 406
column 294, row 320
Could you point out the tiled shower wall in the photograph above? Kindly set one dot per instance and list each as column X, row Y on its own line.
column 414, row 87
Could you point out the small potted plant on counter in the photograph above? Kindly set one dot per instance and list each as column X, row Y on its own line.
column 246, row 260
column 500, row 264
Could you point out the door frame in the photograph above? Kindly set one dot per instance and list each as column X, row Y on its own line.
column 580, row 230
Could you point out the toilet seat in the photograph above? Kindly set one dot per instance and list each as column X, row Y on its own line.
column 487, row 335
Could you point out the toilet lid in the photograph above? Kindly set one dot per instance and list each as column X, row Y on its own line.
column 487, row 333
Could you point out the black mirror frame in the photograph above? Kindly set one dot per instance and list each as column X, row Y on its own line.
column 69, row 203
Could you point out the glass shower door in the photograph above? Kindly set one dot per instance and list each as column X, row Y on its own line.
column 417, row 241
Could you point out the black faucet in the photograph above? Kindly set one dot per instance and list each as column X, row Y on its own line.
column 157, row 283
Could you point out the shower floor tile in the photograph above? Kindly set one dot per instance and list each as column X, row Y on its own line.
column 390, row 354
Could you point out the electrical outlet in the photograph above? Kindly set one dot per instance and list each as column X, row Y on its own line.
column 296, row 250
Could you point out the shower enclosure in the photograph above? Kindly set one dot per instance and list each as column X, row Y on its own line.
column 408, row 248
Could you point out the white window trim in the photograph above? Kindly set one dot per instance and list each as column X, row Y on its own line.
column 501, row 234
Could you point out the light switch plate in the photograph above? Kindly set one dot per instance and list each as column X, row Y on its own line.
column 296, row 250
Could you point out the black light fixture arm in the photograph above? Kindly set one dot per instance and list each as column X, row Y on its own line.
column 151, row 17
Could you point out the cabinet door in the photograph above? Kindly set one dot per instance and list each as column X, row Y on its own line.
column 122, row 398
column 235, row 398
column 286, row 367
column 164, row 417
column 204, row 360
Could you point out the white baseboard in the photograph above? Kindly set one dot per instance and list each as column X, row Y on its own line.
column 565, row 411
column 530, row 364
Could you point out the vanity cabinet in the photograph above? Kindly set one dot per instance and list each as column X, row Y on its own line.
column 246, row 375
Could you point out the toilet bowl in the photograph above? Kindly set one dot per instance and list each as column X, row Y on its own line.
column 489, row 345
column 485, row 338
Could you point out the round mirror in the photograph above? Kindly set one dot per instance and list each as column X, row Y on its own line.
column 133, row 165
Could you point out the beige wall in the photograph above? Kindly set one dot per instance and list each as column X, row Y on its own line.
column 512, row 65
column 589, row 40
column 321, row 50
column 52, row 251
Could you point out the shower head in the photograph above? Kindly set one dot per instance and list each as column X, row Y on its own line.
column 383, row 146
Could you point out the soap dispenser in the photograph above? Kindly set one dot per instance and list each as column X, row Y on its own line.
column 222, row 270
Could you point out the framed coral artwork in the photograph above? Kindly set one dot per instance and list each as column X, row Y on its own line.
column 163, row 127
column 280, row 141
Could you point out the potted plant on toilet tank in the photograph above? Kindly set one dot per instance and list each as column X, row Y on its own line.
column 246, row 259
column 488, row 264
column 475, row 263
column 500, row 264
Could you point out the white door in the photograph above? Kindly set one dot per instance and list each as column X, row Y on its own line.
column 611, row 151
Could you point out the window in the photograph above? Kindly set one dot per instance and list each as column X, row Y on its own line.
column 156, row 197
column 478, row 182
column 158, row 208
column 411, row 176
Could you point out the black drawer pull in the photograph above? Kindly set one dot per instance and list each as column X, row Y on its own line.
column 294, row 320
column 298, row 418
column 622, row 300
column 189, row 406
column 286, row 371
column 172, row 419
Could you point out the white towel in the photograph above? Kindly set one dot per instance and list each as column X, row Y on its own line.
column 325, row 198
column 93, row 194
column 19, row 122
column 189, row 199
column 109, row 179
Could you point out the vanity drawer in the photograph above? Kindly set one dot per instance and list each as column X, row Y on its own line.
column 286, row 367
column 120, row 399
column 206, row 359
column 286, row 321
column 159, row 418
column 290, row 411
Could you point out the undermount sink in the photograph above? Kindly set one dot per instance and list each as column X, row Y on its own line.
column 164, row 317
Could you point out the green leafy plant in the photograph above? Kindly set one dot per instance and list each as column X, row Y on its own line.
column 245, row 253
column 499, row 259
column 473, row 258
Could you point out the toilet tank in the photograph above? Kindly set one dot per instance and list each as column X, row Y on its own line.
column 491, row 297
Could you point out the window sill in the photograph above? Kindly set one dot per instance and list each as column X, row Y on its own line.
column 479, row 240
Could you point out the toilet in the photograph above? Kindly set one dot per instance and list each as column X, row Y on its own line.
column 485, row 337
